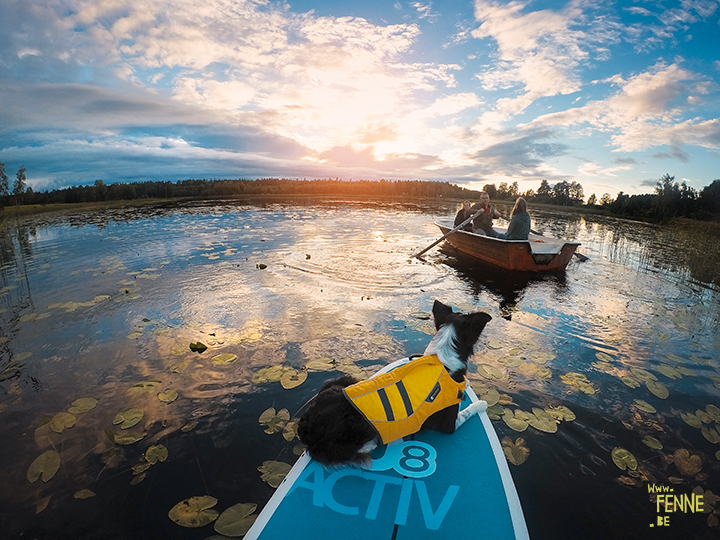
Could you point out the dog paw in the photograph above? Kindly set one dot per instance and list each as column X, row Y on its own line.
column 470, row 410
column 481, row 405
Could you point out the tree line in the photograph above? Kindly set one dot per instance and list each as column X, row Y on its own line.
column 669, row 200
column 100, row 191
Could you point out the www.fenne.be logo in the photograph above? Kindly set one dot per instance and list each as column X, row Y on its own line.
column 668, row 503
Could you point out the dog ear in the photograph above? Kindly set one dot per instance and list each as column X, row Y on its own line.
column 480, row 318
column 440, row 313
column 471, row 326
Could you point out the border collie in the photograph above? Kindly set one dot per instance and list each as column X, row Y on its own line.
column 337, row 433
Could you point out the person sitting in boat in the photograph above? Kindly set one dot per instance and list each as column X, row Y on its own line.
column 483, row 224
column 462, row 215
column 519, row 227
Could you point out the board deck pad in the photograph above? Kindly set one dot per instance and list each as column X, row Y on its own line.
column 429, row 485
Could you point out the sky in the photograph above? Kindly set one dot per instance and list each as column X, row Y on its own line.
column 610, row 94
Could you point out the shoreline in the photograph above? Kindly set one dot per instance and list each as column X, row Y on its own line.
column 16, row 211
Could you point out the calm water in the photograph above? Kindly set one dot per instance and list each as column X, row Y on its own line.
column 104, row 304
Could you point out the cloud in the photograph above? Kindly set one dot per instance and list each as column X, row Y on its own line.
column 519, row 156
column 645, row 111
column 673, row 153
column 538, row 52
column 658, row 25
column 590, row 168
column 625, row 161
column 304, row 86
column 425, row 11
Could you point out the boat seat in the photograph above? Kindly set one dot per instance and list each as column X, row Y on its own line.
column 541, row 247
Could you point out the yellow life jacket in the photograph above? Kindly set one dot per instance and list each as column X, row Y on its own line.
column 397, row 403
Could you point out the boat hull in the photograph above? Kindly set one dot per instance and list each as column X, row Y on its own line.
column 537, row 254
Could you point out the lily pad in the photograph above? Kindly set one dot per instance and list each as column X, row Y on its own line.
column 138, row 478
column 489, row 395
column 579, row 381
column 644, row 406
column 84, row 494
column 236, row 520
column 713, row 412
column 194, row 512
column 631, row 382
column 189, row 427
column 669, row 371
column 83, row 405
column 141, row 467
column 179, row 367
column 290, row 431
column 515, row 452
column 561, row 413
column 511, row 361
column 128, row 418
column 198, row 347
column 292, row 379
column 268, row 375
column 320, row 364
column 542, row 421
column 642, row 374
column 274, row 472
column 711, row 434
column 493, row 344
column 42, row 504
column 145, row 386
column 624, row 459
column 275, row 421
column 489, row 372
column 46, row 465
column 224, row 359
column 517, row 420
column 156, row 453
column 495, row 412
column 652, row 442
column 603, row 366
column 168, row 396
column 687, row 464
column 541, row 357
column 125, row 438
column 658, row 389
column 691, row 420
column 61, row 421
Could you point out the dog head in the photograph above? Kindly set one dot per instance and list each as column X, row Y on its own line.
column 456, row 336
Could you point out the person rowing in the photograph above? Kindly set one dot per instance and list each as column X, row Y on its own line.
column 483, row 224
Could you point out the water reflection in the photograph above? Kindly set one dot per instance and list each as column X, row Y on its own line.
column 105, row 303
column 681, row 252
column 508, row 288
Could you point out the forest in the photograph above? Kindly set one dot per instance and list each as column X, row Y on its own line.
column 669, row 200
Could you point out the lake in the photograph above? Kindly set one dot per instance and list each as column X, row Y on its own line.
column 152, row 354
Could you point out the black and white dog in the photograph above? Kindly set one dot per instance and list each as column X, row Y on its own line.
column 336, row 433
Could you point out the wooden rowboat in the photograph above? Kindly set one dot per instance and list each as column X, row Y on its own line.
column 536, row 254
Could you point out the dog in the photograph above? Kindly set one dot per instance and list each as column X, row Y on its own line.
column 338, row 434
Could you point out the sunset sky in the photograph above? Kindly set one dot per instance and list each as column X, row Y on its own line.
column 610, row 94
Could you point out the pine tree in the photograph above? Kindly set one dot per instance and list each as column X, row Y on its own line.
column 20, row 182
column 4, row 186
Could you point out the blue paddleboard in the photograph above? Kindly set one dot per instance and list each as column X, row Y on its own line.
column 429, row 485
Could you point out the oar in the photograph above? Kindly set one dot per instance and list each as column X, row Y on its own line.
column 444, row 236
column 580, row 256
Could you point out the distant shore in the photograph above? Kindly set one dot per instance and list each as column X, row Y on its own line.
column 15, row 211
